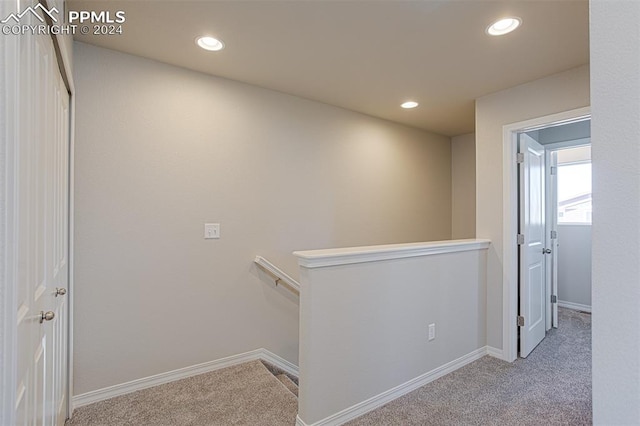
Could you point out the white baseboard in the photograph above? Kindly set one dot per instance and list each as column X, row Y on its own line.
column 574, row 306
column 495, row 352
column 379, row 400
column 265, row 355
column 182, row 373
column 279, row 362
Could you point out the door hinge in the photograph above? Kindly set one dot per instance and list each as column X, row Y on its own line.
column 553, row 170
column 520, row 157
column 520, row 321
column 520, row 239
column 554, row 298
column 554, row 235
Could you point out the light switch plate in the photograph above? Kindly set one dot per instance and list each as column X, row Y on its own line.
column 432, row 331
column 211, row 231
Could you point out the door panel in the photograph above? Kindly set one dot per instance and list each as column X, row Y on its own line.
column 26, row 311
column 59, row 268
column 39, row 384
column 532, row 258
column 536, row 294
column 39, row 119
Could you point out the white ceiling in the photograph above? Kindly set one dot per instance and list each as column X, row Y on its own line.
column 363, row 55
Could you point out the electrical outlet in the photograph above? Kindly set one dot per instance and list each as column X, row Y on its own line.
column 211, row 230
column 432, row 331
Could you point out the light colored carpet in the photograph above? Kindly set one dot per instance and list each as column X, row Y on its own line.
column 552, row 386
column 288, row 383
column 246, row 394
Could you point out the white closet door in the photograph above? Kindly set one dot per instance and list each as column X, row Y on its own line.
column 37, row 116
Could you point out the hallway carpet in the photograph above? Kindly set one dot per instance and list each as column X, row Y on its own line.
column 245, row 394
column 552, row 386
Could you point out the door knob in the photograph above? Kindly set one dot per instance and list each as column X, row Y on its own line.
column 46, row 316
column 61, row 291
column 546, row 251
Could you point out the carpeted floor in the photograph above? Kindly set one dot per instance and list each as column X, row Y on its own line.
column 552, row 386
column 246, row 394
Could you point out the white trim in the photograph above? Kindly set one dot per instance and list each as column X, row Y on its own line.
column 279, row 362
column 574, row 306
column 551, row 219
column 349, row 255
column 182, row 373
column 72, row 260
column 495, row 352
column 379, row 400
column 509, row 244
column 66, row 68
column 510, row 222
column 8, row 217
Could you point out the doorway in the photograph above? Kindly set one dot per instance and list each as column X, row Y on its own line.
column 511, row 228
column 554, row 192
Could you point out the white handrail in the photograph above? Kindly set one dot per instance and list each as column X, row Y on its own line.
column 278, row 273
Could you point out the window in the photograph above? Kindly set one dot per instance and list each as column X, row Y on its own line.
column 574, row 185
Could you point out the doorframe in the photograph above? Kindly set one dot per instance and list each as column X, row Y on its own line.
column 551, row 221
column 8, row 308
column 72, row 259
column 64, row 54
column 510, row 219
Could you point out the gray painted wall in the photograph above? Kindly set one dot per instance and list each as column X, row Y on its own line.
column 161, row 150
column 615, row 88
column 574, row 264
column 562, row 133
column 463, row 186
column 376, row 336
column 566, row 132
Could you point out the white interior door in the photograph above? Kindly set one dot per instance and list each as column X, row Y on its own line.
column 38, row 178
column 532, row 285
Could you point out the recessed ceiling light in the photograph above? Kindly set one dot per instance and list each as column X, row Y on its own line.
column 409, row 105
column 210, row 43
column 504, row 26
